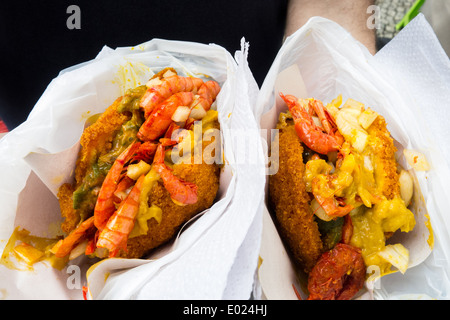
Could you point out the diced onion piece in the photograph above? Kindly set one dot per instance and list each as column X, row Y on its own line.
column 359, row 140
column 368, row 163
column 406, row 186
column 197, row 112
column 78, row 250
column 333, row 111
column 169, row 73
column 353, row 104
column 101, row 252
column 346, row 122
column 28, row 253
column 351, row 130
column 333, row 106
column 134, row 171
column 352, row 114
column 181, row 114
column 153, row 82
column 397, row 255
column 304, row 103
column 336, row 101
column 344, row 125
column 319, row 211
column 367, row 118
column 416, row 160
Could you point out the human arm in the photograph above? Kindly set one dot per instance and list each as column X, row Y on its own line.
column 350, row 14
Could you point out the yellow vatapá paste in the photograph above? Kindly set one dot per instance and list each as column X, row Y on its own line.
column 365, row 174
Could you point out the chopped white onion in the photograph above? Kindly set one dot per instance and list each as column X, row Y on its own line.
column 134, row 171
column 353, row 104
column 416, row 160
column 367, row 118
column 181, row 114
column 169, row 73
column 368, row 163
column 397, row 255
column 153, row 82
column 198, row 112
column 78, row 250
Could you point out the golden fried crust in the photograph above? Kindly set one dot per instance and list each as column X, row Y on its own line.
column 290, row 201
column 96, row 139
column 206, row 177
column 67, row 211
column 385, row 165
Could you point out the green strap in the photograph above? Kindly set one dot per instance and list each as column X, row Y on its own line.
column 411, row 14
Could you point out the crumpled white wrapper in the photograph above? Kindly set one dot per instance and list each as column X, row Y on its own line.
column 408, row 83
column 213, row 258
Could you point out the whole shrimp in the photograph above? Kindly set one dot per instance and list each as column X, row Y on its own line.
column 115, row 234
column 160, row 119
column 181, row 191
column 169, row 86
column 206, row 95
column 338, row 275
column 311, row 135
column 104, row 206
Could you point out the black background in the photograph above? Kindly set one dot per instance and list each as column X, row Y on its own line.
column 35, row 43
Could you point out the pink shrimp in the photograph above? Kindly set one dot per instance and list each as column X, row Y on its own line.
column 115, row 234
column 311, row 135
column 160, row 119
column 169, row 86
column 207, row 94
column 63, row 247
column 104, row 206
column 146, row 152
column 181, row 191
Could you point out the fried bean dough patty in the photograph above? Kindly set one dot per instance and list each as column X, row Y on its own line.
column 290, row 201
column 96, row 141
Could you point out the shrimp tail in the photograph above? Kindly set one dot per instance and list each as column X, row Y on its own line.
column 114, row 236
column 206, row 95
column 63, row 247
column 104, row 206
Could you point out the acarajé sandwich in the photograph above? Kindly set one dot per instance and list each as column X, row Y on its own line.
column 129, row 197
column 339, row 194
